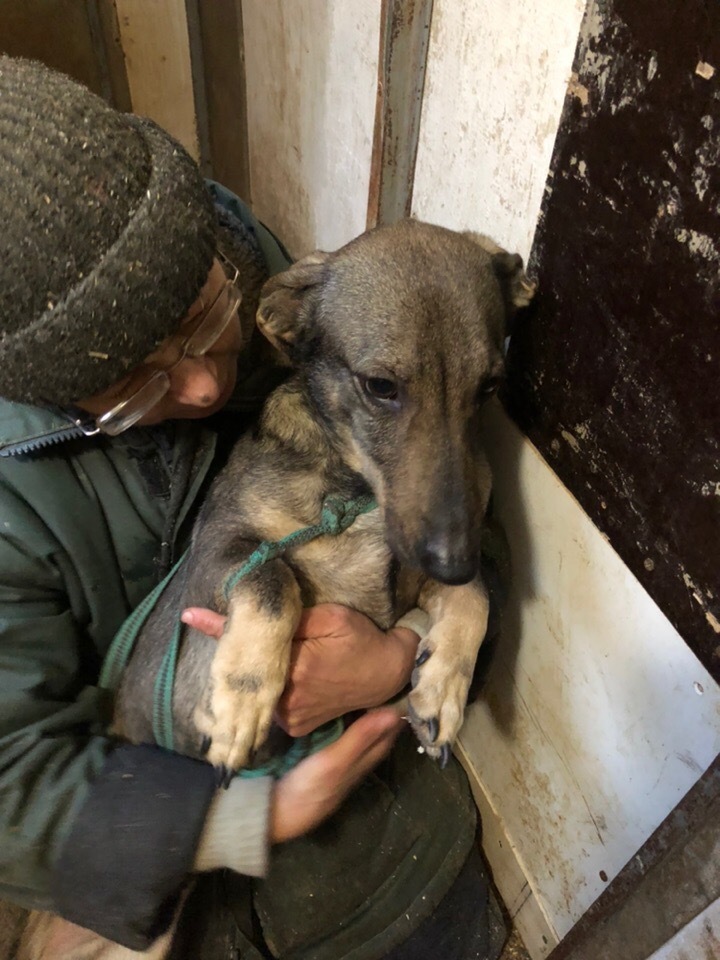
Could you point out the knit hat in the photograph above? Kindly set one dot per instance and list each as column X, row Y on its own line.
column 107, row 236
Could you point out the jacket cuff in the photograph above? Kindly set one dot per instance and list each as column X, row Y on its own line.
column 133, row 843
column 236, row 829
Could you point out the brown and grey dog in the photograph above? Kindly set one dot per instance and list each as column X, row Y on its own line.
column 397, row 341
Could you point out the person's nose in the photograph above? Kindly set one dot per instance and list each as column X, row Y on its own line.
column 193, row 383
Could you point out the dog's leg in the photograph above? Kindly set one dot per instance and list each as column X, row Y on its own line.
column 445, row 662
column 250, row 667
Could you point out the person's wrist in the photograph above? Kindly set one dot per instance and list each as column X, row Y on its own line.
column 402, row 650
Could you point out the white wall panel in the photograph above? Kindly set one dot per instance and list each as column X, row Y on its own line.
column 597, row 717
column 311, row 83
column 497, row 75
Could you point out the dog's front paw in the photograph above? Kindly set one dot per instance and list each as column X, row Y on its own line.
column 235, row 713
column 437, row 701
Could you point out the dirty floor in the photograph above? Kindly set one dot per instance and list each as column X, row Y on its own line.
column 514, row 949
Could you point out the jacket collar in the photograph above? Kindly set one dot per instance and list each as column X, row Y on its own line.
column 25, row 428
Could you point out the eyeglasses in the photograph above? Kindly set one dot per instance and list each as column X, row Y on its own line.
column 212, row 322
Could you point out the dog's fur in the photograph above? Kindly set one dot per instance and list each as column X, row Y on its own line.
column 426, row 309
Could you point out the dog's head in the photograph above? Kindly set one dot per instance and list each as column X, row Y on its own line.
column 400, row 334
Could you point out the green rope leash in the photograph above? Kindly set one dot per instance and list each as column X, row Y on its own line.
column 336, row 516
column 124, row 640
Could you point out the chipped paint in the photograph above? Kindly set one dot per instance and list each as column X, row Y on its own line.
column 705, row 70
column 698, row 243
column 492, row 102
column 570, row 440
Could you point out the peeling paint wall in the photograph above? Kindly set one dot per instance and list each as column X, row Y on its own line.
column 493, row 96
column 311, row 79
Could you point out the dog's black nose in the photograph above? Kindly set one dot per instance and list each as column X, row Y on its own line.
column 447, row 566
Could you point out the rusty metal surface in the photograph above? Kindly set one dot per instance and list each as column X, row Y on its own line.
column 615, row 378
column 669, row 881
column 404, row 38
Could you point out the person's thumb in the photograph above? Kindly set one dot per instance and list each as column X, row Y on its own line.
column 206, row 621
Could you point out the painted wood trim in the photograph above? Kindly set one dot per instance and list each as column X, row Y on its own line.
column 217, row 47
column 156, row 45
column 404, row 40
column 105, row 29
column 509, row 875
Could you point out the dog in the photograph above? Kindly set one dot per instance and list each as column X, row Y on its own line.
column 396, row 342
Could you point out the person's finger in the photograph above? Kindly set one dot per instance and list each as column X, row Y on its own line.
column 206, row 621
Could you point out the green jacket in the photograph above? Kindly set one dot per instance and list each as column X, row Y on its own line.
column 87, row 527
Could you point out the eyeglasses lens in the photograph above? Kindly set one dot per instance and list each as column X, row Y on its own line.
column 127, row 413
column 211, row 327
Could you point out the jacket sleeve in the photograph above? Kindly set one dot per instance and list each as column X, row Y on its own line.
column 100, row 833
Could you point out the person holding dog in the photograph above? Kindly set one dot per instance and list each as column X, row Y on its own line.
column 128, row 365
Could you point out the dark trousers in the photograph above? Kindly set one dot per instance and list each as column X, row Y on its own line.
column 466, row 925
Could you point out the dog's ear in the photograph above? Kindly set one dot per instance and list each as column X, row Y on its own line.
column 517, row 289
column 280, row 315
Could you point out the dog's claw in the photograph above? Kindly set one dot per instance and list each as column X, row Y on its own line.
column 205, row 745
column 444, row 755
column 223, row 776
column 433, row 729
column 422, row 658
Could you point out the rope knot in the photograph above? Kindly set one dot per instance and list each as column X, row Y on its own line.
column 333, row 513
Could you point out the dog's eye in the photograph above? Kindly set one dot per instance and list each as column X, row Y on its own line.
column 487, row 388
column 379, row 388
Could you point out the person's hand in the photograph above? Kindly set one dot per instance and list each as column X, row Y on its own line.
column 340, row 662
column 316, row 787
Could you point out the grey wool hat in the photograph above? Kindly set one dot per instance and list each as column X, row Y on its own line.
column 107, row 236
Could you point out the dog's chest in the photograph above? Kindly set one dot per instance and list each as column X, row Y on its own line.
column 355, row 569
